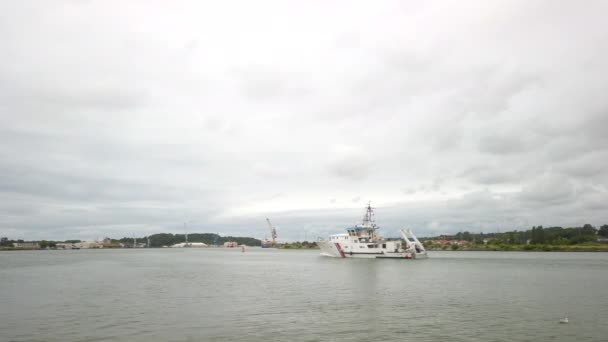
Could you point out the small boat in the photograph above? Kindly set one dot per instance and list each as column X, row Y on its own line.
column 363, row 241
column 563, row 320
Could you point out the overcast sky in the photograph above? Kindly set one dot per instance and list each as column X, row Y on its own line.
column 122, row 118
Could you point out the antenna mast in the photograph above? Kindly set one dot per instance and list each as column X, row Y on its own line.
column 368, row 218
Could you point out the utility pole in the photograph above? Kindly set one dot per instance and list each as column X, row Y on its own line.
column 185, row 234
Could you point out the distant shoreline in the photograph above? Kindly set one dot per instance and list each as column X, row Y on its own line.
column 563, row 249
column 526, row 248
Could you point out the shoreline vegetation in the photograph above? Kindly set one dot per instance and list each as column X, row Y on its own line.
column 152, row 241
column 538, row 239
column 526, row 248
column 298, row 245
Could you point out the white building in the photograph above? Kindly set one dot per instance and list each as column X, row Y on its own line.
column 190, row 244
column 26, row 245
column 88, row 244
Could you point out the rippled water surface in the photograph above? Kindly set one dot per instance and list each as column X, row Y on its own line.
column 281, row 295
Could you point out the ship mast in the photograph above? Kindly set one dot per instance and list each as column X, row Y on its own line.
column 368, row 218
column 368, row 223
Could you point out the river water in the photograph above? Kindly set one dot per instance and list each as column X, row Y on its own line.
column 282, row 295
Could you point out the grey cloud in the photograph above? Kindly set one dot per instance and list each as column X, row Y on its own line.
column 548, row 189
column 350, row 169
column 585, row 165
column 494, row 174
column 596, row 201
column 493, row 143
column 85, row 188
column 408, row 191
column 53, row 99
column 350, row 163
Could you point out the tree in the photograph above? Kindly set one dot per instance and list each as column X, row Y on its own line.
column 512, row 238
column 588, row 230
column 4, row 242
column 538, row 235
column 603, row 231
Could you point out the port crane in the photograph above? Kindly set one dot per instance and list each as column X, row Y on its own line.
column 273, row 232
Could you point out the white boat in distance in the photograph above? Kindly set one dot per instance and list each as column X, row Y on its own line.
column 363, row 241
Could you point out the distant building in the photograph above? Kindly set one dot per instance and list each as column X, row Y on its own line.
column 190, row 244
column 89, row 244
column 230, row 244
column 26, row 245
column 65, row 245
column 444, row 242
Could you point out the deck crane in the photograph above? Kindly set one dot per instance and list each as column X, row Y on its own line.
column 273, row 232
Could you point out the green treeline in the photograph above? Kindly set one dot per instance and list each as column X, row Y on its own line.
column 166, row 239
column 537, row 235
column 537, row 238
column 299, row 245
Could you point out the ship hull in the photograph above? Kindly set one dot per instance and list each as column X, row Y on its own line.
column 337, row 250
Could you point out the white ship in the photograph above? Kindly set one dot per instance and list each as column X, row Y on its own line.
column 363, row 241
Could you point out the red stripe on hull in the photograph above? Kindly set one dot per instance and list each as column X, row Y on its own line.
column 340, row 250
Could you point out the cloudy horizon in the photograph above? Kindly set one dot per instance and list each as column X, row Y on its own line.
column 141, row 117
